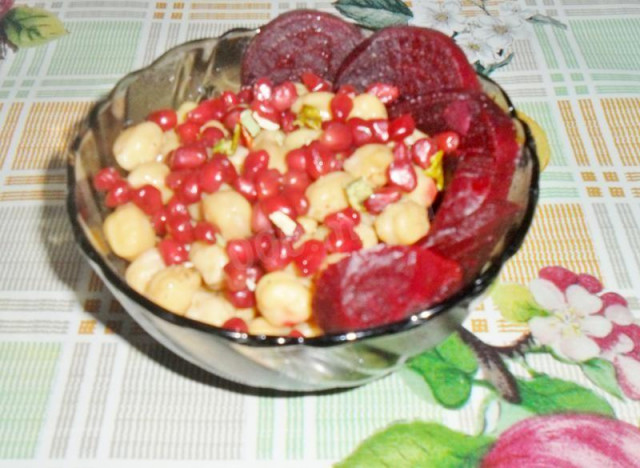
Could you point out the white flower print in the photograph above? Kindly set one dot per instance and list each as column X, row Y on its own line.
column 499, row 33
column 445, row 17
column 476, row 49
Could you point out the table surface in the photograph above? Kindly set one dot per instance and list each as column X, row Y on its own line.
column 82, row 385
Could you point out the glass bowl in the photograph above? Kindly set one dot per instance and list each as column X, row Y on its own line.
column 200, row 69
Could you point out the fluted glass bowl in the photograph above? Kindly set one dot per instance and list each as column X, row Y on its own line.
column 200, row 69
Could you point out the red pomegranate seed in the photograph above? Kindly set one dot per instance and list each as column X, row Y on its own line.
column 260, row 222
column 255, row 162
column 347, row 90
column 232, row 118
column 278, row 256
column 297, row 159
column 175, row 179
column 447, row 141
column 246, row 187
column 242, row 299
column 210, row 136
column 119, row 194
column 320, row 160
column 245, row 95
column 188, row 132
column 166, row 119
column 268, row 183
column 284, row 95
column 385, row 92
column 380, row 130
column 236, row 324
column 297, row 199
column 173, row 252
column 296, row 180
column 279, row 202
column 422, row 151
column 343, row 241
column 315, row 83
column 159, row 220
column 190, row 190
column 176, row 208
column 381, row 198
column 309, row 256
column 229, row 99
column 287, row 121
column 401, row 127
column 179, row 228
column 296, row 334
column 188, row 156
column 265, row 109
column 212, row 109
column 237, row 277
column 341, row 106
column 361, row 131
column 347, row 218
column 401, row 174
column 240, row 253
column 337, row 136
column 205, row 232
column 400, row 152
column 216, row 172
column 262, row 89
column 106, row 178
column 148, row 198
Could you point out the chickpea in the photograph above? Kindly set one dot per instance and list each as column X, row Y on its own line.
column 128, row 231
column 301, row 137
column 367, row 106
column 230, row 212
column 283, row 298
column 238, row 157
column 301, row 89
column 141, row 270
column 152, row 173
column 195, row 211
column 246, row 314
column 170, row 141
column 272, row 142
column 260, row 326
column 367, row 235
column 327, row 194
column 370, row 162
column 209, row 260
column 210, row 307
column 138, row 144
column 321, row 100
column 425, row 190
column 173, row 288
column 308, row 224
column 308, row 329
column 402, row 223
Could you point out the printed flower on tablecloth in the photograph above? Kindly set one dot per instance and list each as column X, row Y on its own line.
column 445, row 17
column 476, row 49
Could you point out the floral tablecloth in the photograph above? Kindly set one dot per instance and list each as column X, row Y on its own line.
column 82, row 386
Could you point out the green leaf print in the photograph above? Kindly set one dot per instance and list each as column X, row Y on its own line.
column 375, row 13
column 29, row 27
column 515, row 302
column 603, row 374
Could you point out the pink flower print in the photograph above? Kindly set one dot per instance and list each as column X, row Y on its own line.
column 5, row 6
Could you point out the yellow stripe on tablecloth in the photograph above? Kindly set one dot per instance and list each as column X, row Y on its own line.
column 32, row 195
column 231, row 6
column 595, row 133
column 49, row 129
column 575, row 139
column 239, row 15
column 623, row 118
column 8, row 128
column 558, row 236
column 37, row 179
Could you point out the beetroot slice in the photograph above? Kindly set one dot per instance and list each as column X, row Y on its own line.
column 382, row 285
column 296, row 42
column 416, row 60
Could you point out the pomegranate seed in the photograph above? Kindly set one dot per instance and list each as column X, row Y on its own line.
column 422, row 151
column 188, row 132
column 278, row 256
column 188, row 156
column 229, row 99
column 176, row 208
column 245, row 95
column 284, row 95
column 315, row 83
column 279, row 202
column 262, row 89
column 380, row 130
column 297, row 159
column 337, row 136
column 158, row 220
column 447, row 141
column 268, row 183
column 172, row 252
column 401, row 174
column 341, row 106
column 287, row 121
column 240, row 253
column 297, row 199
column 361, row 131
column 320, row 160
column 347, row 90
column 400, row 152
column 260, row 222
column 119, row 194
column 401, row 127
column 106, row 178
column 166, row 119
column 346, row 218
column 175, row 179
column 232, row 118
column 381, row 198
column 265, row 109
column 242, row 299
column 148, row 198
column 236, row 324
column 190, row 191
column 205, row 232
column 246, row 187
column 296, row 180
column 212, row 109
column 216, row 172
column 236, row 277
column 343, row 241
column 179, row 228
column 309, row 256
column 296, row 334
column 385, row 92
column 255, row 162
column 210, row 136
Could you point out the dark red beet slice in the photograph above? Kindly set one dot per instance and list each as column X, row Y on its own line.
column 382, row 285
column 296, row 42
column 416, row 60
